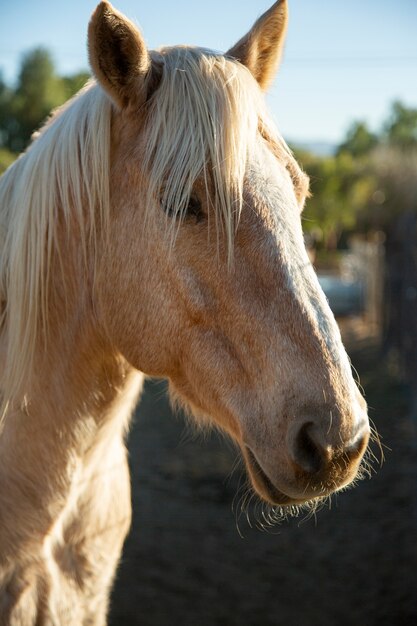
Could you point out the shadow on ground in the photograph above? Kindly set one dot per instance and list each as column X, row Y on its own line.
column 186, row 563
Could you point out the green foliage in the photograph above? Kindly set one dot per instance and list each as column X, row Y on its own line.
column 359, row 140
column 401, row 128
column 367, row 183
column 6, row 159
column 340, row 187
column 6, row 115
column 39, row 90
column 396, row 192
column 74, row 83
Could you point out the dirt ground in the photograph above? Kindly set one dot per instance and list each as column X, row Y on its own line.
column 185, row 561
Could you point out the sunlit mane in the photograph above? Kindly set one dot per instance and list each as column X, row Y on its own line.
column 63, row 175
column 203, row 120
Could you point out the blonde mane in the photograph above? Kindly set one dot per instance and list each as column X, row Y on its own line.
column 203, row 119
column 64, row 175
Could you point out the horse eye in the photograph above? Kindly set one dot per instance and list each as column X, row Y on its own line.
column 193, row 210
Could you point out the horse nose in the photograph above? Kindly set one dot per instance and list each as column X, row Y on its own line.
column 311, row 450
column 305, row 451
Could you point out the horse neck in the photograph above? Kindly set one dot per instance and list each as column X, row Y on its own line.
column 80, row 398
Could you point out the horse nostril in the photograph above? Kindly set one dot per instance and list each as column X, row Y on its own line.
column 357, row 448
column 306, row 452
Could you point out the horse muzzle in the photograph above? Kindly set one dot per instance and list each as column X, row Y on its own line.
column 312, row 465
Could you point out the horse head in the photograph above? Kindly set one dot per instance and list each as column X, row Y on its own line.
column 204, row 278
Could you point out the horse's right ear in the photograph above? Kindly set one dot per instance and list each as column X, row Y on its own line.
column 261, row 48
column 118, row 56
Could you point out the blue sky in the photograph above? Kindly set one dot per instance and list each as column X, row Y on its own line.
column 343, row 60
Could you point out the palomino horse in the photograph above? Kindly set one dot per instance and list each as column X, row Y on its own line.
column 153, row 227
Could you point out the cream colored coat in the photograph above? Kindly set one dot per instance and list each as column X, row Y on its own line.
column 153, row 226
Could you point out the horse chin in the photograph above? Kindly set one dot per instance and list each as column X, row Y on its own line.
column 304, row 492
column 263, row 484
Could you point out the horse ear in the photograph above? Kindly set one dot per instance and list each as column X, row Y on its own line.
column 261, row 48
column 118, row 56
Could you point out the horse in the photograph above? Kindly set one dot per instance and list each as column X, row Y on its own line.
column 153, row 228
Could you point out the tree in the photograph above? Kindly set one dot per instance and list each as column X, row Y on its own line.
column 341, row 187
column 401, row 128
column 75, row 82
column 5, row 111
column 359, row 140
column 39, row 90
column 6, row 159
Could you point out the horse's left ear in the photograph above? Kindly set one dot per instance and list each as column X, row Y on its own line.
column 261, row 48
column 118, row 56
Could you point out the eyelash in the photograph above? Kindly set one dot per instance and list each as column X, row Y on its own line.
column 193, row 209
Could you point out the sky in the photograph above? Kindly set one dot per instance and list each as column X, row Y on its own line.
column 343, row 60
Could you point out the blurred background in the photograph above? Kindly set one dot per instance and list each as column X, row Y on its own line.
column 346, row 101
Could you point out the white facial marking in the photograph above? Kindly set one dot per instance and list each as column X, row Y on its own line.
column 273, row 186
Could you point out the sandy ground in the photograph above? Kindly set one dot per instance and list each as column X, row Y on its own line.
column 186, row 563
